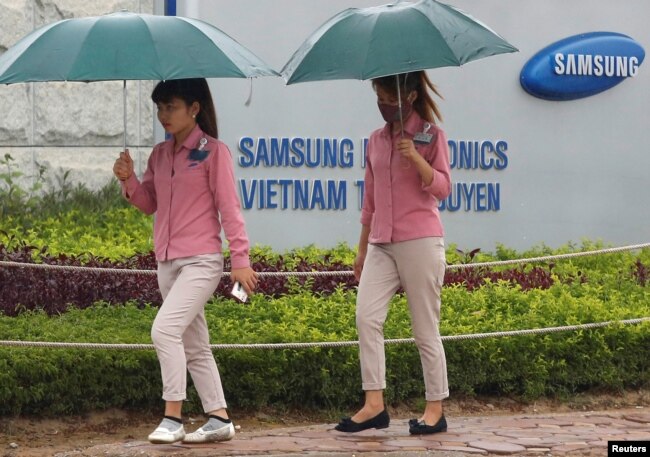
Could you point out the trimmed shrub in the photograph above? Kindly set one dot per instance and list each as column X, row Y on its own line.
column 54, row 291
column 74, row 226
column 530, row 366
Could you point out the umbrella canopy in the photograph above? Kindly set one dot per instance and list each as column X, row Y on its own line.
column 365, row 43
column 131, row 46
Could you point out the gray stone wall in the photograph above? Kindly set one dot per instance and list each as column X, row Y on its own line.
column 70, row 126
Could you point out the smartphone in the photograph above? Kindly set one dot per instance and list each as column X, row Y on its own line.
column 239, row 293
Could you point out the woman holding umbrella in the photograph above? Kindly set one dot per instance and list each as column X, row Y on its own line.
column 401, row 244
column 189, row 184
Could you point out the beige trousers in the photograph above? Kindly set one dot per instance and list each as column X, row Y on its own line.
column 419, row 267
column 180, row 331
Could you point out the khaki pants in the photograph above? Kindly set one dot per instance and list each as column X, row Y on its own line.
column 180, row 332
column 419, row 267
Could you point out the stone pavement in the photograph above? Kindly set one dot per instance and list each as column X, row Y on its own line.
column 584, row 433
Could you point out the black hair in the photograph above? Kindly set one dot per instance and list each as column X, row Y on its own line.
column 190, row 91
column 415, row 81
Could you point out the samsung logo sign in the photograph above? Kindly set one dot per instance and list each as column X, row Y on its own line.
column 598, row 65
column 581, row 65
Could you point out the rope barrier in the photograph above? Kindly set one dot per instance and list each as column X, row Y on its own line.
column 329, row 273
column 474, row 336
column 263, row 274
column 546, row 258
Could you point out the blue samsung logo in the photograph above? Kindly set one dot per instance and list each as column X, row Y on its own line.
column 581, row 65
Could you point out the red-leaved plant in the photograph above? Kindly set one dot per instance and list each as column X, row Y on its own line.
column 54, row 291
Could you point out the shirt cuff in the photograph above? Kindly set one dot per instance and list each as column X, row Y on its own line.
column 239, row 262
column 129, row 186
column 431, row 186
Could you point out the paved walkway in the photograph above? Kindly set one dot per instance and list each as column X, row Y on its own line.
column 559, row 434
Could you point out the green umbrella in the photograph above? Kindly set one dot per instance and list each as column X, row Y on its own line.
column 365, row 43
column 128, row 46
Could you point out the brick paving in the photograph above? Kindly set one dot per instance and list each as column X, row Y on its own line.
column 523, row 435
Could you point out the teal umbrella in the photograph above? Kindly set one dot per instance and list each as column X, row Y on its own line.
column 128, row 46
column 365, row 43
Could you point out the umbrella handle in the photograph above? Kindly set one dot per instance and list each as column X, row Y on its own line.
column 405, row 162
column 399, row 105
column 124, row 105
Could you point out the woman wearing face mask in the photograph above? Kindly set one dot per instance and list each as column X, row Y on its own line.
column 401, row 244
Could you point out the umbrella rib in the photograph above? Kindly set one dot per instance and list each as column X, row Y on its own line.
column 197, row 28
column 19, row 47
column 375, row 18
column 155, row 48
column 65, row 75
column 443, row 38
column 247, row 64
column 468, row 20
column 95, row 20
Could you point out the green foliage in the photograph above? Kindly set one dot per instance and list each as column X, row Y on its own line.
column 50, row 196
column 115, row 234
column 73, row 220
column 530, row 366
column 13, row 198
column 70, row 219
column 311, row 254
column 550, row 364
column 53, row 381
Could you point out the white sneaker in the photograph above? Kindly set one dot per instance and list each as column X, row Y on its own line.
column 167, row 432
column 207, row 434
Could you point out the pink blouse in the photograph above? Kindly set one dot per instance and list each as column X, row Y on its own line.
column 193, row 194
column 396, row 204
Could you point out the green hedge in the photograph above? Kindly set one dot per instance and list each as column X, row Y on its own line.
column 61, row 381
column 116, row 234
column 73, row 220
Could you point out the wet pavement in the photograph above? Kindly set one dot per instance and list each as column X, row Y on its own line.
column 584, row 433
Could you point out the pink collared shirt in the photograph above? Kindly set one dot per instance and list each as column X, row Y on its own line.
column 193, row 194
column 397, row 205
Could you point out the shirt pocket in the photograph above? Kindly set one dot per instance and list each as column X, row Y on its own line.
column 191, row 175
column 192, row 168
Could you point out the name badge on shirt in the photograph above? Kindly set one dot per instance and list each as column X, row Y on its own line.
column 199, row 154
column 423, row 137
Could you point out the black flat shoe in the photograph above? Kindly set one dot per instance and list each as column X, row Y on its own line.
column 420, row 428
column 381, row 420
